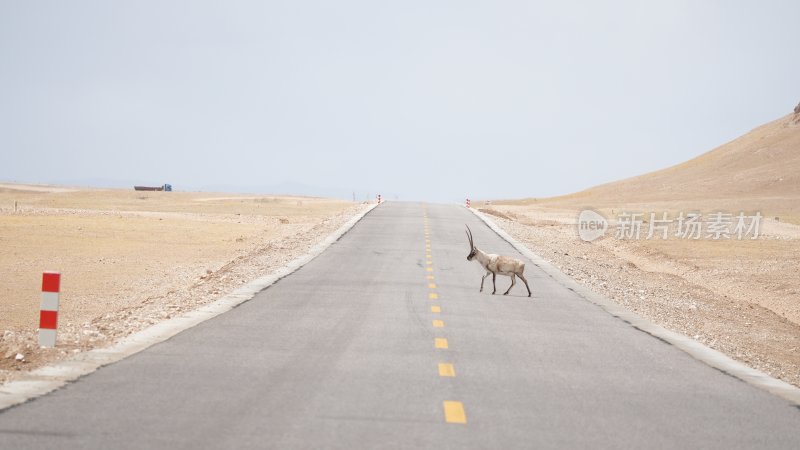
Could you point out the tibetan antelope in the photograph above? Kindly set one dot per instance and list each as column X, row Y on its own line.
column 496, row 264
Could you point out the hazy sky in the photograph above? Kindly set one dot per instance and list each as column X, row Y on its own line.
column 433, row 100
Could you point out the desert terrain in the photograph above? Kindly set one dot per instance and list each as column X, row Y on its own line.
column 739, row 296
column 129, row 258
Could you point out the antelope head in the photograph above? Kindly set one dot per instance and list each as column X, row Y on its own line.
column 471, row 245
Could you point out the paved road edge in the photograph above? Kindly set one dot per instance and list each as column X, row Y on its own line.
column 49, row 378
column 697, row 350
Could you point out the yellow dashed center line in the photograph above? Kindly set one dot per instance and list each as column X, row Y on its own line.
column 446, row 370
column 454, row 412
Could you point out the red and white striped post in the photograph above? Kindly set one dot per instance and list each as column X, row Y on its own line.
column 48, row 316
column 379, row 199
column 468, row 204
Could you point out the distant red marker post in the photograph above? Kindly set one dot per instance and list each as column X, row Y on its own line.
column 48, row 315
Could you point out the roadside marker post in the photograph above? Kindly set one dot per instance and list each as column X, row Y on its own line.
column 48, row 314
column 468, row 204
column 379, row 199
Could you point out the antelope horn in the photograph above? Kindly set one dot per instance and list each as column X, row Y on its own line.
column 469, row 236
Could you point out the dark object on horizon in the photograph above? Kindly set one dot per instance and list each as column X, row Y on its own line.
column 166, row 187
column 797, row 109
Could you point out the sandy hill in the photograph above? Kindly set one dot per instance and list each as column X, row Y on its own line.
column 757, row 171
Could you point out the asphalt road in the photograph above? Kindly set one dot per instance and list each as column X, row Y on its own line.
column 343, row 354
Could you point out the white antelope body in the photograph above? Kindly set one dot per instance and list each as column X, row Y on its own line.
column 496, row 264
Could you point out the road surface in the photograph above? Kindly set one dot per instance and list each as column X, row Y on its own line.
column 375, row 345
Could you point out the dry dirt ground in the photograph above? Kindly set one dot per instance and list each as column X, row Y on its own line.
column 739, row 297
column 130, row 259
column 758, row 171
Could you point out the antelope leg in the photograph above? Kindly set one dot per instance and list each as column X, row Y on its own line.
column 526, row 284
column 513, row 282
column 483, row 278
